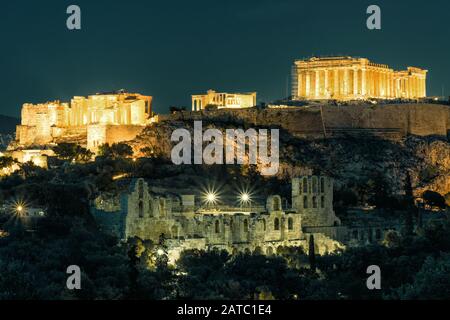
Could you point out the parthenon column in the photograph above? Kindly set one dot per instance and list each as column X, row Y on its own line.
column 317, row 84
column 363, row 82
column 307, row 85
column 424, row 87
column 370, row 89
column 355, row 83
column 336, row 92
column 417, row 87
column 391, row 85
column 376, row 83
column 326, row 89
column 346, row 81
column 299, row 84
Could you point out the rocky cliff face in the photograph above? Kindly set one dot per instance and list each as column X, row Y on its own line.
column 351, row 160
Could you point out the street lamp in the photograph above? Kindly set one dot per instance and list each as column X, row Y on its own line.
column 245, row 198
column 211, row 197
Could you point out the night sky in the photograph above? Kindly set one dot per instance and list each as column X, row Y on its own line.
column 172, row 49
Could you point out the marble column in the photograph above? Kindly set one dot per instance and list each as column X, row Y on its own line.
column 308, row 84
column 363, row 82
column 355, row 83
column 299, row 84
column 326, row 88
column 346, row 82
column 336, row 83
column 317, row 84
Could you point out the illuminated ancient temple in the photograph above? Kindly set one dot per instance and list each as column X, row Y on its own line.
column 103, row 117
column 349, row 78
column 223, row 100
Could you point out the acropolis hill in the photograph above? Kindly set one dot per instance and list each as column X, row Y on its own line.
column 318, row 83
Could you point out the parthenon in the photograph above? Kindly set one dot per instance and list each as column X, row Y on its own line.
column 349, row 78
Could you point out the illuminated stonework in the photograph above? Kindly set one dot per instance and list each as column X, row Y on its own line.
column 42, row 123
column 223, row 100
column 185, row 224
column 348, row 78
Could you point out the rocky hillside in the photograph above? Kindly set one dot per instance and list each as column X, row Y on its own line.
column 353, row 161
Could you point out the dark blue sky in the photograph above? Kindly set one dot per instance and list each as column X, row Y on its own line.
column 171, row 49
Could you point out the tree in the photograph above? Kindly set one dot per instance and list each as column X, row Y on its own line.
column 174, row 109
column 29, row 169
column 211, row 107
column 148, row 151
column 312, row 253
column 65, row 150
column 116, row 150
column 447, row 199
column 433, row 199
column 83, row 155
column 392, row 239
column 72, row 151
column 411, row 209
column 6, row 162
column 432, row 282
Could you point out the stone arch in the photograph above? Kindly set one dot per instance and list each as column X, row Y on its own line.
column 162, row 207
column 235, row 251
column 258, row 250
column 217, row 227
column 247, row 251
column 305, row 202
column 141, row 188
column 141, row 209
column 305, row 185
column 245, row 225
column 290, row 224
column 378, row 234
column 150, row 207
column 269, row 251
column 276, row 203
column 314, row 185
column 276, row 224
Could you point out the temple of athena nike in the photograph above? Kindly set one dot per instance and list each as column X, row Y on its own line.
column 349, row 78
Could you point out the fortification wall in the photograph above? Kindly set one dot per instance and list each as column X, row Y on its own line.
column 391, row 121
column 122, row 132
column 99, row 134
column 416, row 119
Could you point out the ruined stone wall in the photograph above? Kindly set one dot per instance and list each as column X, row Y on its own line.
column 312, row 197
column 141, row 214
